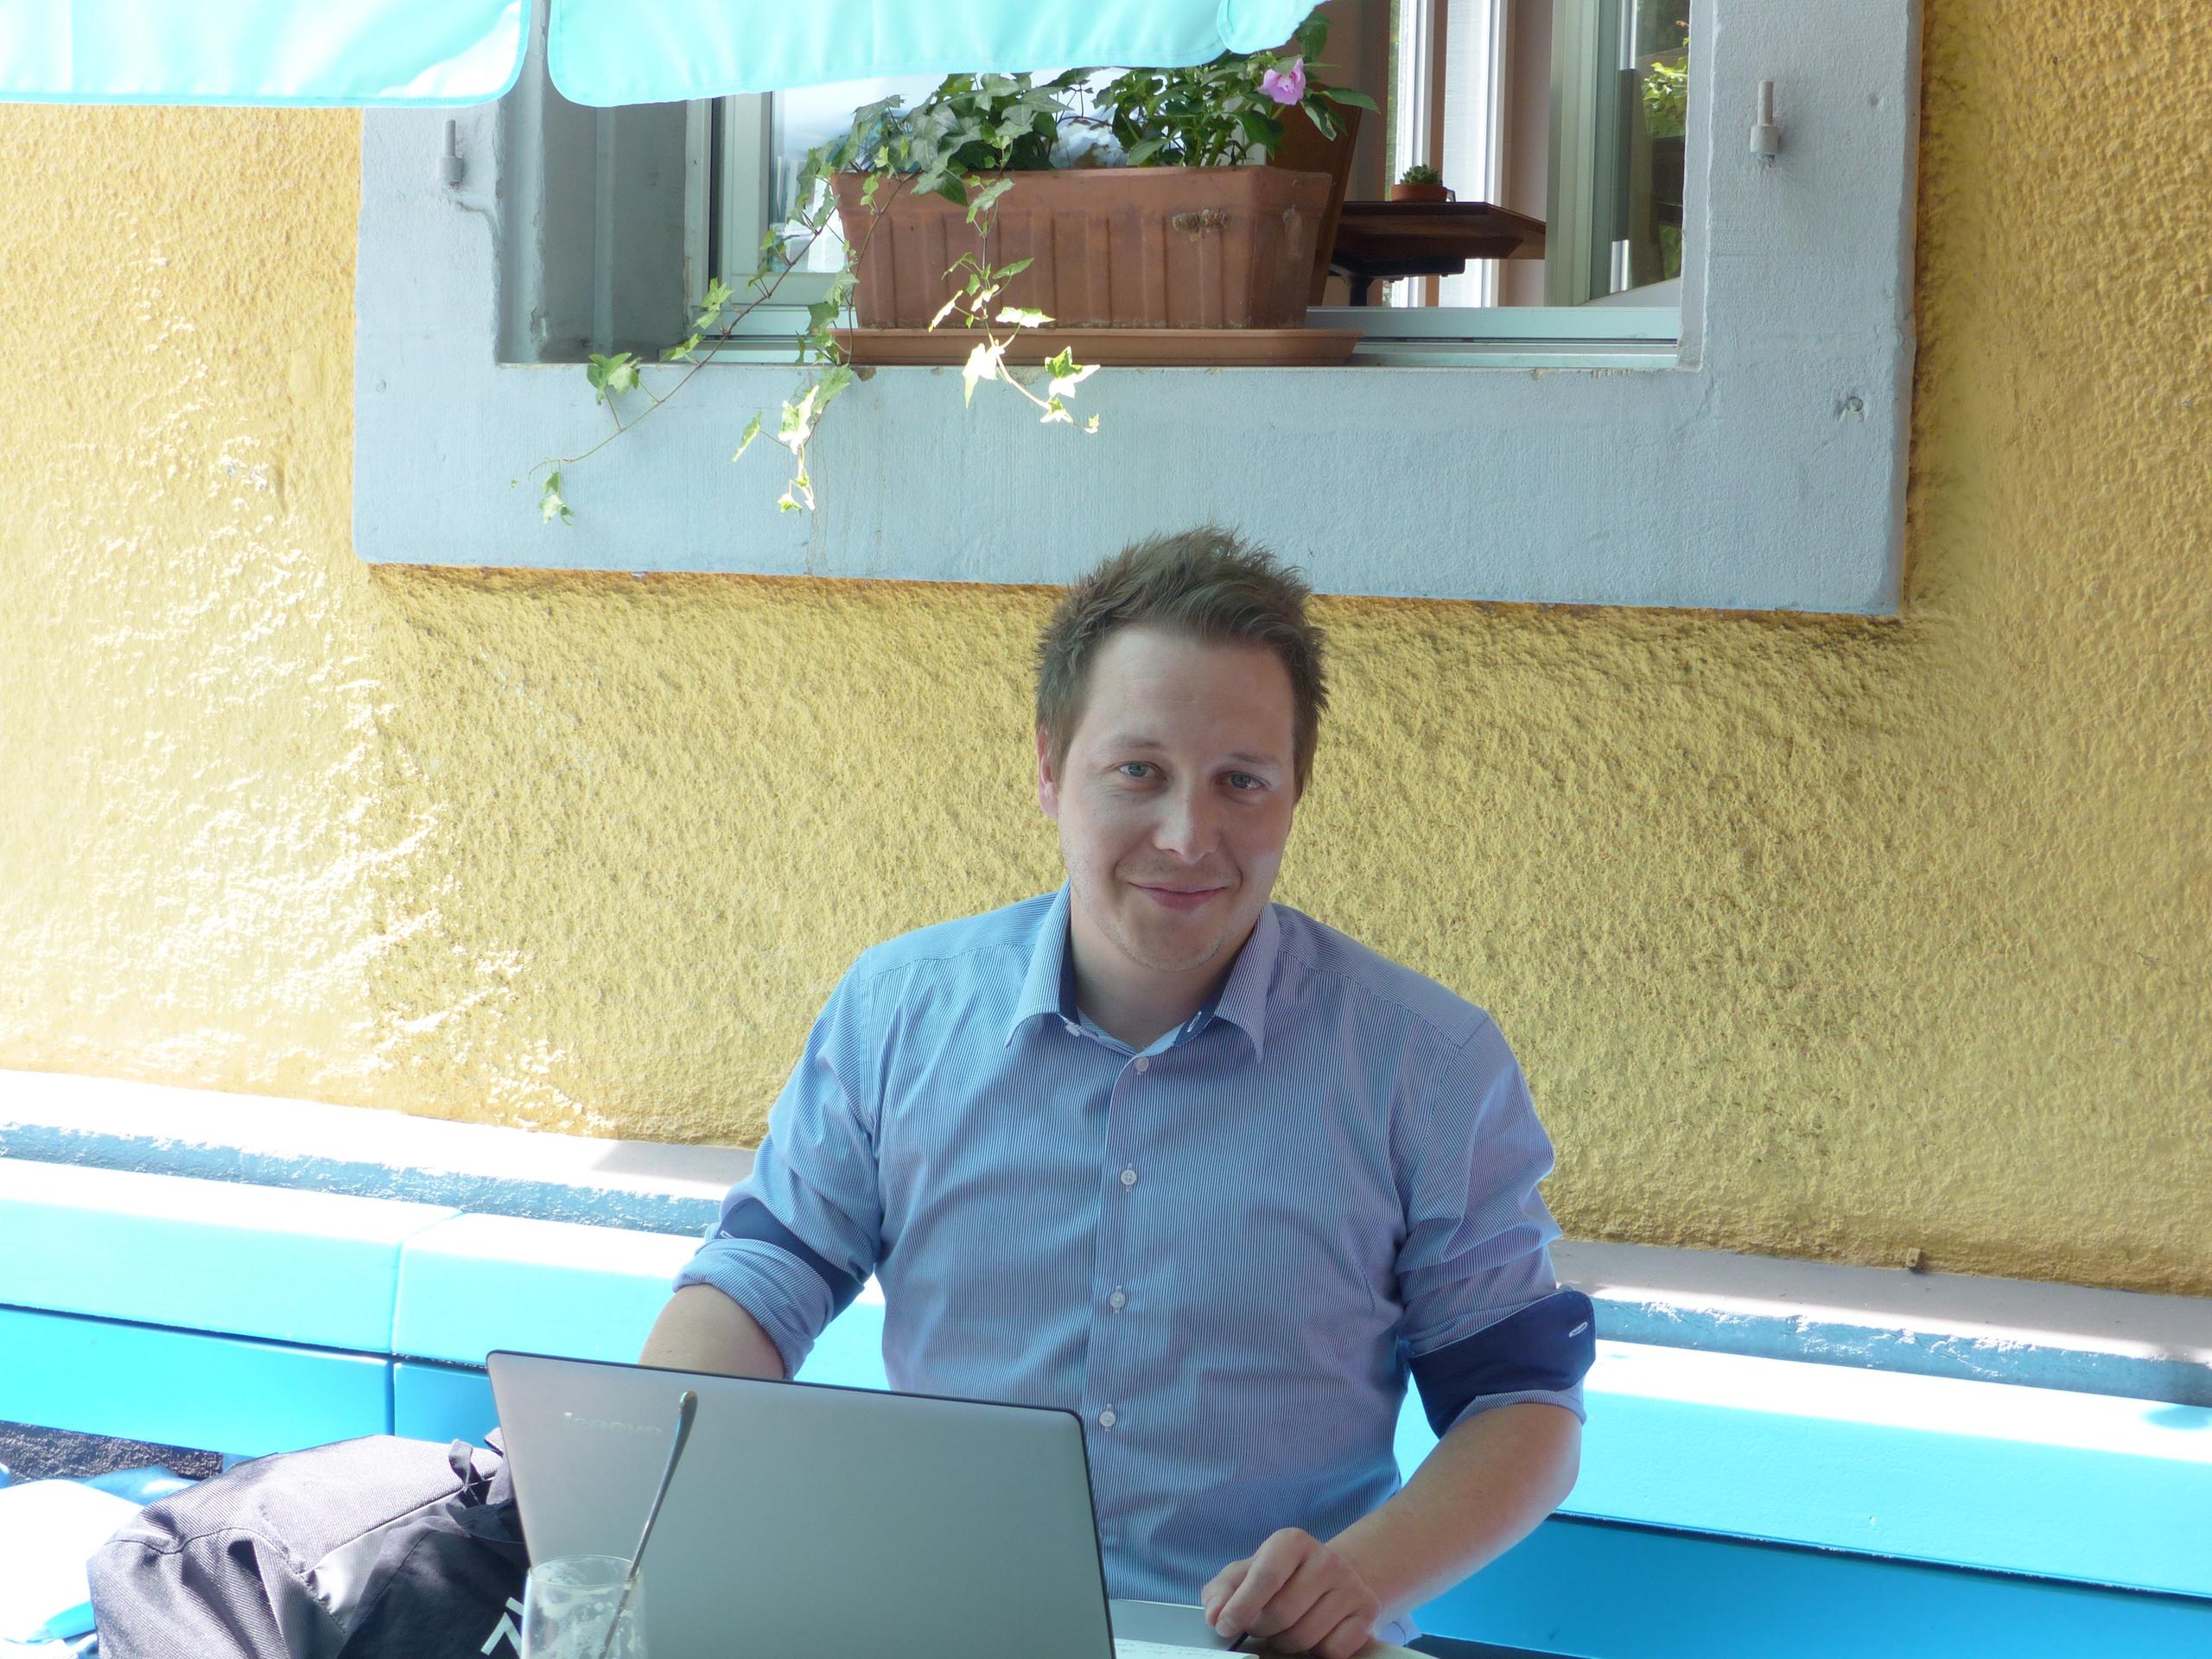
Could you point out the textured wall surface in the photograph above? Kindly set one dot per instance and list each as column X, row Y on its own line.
column 1832, row 938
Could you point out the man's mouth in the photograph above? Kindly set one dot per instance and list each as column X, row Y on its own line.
column 1178, row 898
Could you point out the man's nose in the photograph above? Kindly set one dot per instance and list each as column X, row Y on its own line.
column 1186, row 824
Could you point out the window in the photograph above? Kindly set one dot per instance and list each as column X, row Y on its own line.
column 1545, row 108
column 1484, row 450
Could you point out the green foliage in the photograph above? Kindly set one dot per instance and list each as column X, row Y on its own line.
column 1666, row 98
column 1219, row 114
column 971, row 124
column 612, row 376
column 1420, row 173
column 550, row 506
column 1226, row 112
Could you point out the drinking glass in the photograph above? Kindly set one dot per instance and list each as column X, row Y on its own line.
column 569, row 1603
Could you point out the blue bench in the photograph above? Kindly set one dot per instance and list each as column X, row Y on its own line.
column 1727, row 1504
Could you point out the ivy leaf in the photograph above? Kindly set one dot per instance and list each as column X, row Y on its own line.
column 550, row 506
column 718, row 297
column 944, row 310
column 982, row 364
column 796, row 424
column 988, row 195
column 751, row 431
column 681, row 352
column 829, row 386
column 1023, row 316
column 1065, row 381
column 612, row 376
column 1014, row 270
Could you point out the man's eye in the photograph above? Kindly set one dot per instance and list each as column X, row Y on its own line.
column 1248, row 778
column 1125, row 764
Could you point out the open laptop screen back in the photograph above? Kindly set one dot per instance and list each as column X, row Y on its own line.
column 808, row 1519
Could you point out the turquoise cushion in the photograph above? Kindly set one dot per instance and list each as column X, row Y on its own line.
column 477, row 1283
column 224, row 1256
column 1989, row 1475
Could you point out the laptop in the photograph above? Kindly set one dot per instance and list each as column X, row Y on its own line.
column 809, row 1519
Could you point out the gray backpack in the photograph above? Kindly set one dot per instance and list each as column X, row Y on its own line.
column 373, row 1549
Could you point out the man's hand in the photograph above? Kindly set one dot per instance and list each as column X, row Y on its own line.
column 1299, row 1593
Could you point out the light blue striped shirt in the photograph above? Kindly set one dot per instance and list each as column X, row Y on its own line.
column 1227, row 1253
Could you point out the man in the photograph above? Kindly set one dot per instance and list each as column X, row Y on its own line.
column 1191, row 1164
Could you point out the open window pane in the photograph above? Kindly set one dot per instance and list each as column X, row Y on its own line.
column 1556, row 126
column 1570, row 112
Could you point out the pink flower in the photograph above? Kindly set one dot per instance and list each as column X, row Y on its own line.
column 1286, row 85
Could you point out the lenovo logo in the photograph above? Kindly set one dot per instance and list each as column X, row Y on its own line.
column 608, row 1425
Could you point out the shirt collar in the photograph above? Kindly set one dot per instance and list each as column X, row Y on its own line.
column 1048, row 988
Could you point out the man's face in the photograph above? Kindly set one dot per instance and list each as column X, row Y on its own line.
column 1178, row 776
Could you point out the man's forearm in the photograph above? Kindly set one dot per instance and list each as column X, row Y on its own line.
column 702, row 1330
column 1483, row 1489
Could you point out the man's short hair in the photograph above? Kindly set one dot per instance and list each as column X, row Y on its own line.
column 1206, row 584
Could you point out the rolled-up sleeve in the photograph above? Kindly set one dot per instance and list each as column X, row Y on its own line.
column 1486, row 1323
column 800, row 1235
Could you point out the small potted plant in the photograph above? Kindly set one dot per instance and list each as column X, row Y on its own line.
column 1419, row 182
column 1187, row 232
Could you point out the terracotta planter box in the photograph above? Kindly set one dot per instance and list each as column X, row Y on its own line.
column 1137, row 247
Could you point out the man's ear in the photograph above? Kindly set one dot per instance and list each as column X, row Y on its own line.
column 1048, row 787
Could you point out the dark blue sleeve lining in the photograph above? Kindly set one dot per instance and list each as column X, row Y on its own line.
column 1546, row 1347
column 747, row 1217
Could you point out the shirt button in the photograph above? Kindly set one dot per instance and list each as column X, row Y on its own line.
column 1130, row 1176
column 1074, row 1030
column 1106, row 1418
column 1143, row 1064
column 1116, row 1299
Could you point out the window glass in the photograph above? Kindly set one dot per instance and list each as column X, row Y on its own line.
column 807, row 115
column 1556, row 127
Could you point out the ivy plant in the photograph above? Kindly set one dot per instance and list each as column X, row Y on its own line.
column 1214, row 114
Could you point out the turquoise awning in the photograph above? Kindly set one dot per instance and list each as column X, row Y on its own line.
column 605, row 52
column 599, row 52
column 277, row 52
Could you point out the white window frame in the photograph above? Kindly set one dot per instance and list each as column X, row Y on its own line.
column 1759, row 465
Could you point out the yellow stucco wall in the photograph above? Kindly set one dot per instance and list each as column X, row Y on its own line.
column 1828, row 937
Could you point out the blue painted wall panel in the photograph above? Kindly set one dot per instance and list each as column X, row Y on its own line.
column 1607, row 1592
column 441, row 1402
column 178, row 1387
